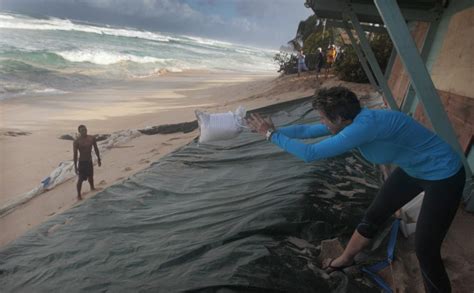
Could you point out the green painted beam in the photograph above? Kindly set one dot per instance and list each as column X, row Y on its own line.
column 410, row 102
column 420, row 78
column 391, row 61
column 367, row 28
column 360, row 55
column 372, row 60
column 332, row 9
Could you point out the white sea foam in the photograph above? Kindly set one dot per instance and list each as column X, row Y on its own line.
column 106, row 58
column 11, row 90
column 9, row 22
column 5, row 16
column 209, row 41
column 159, row 71
column 49, row 91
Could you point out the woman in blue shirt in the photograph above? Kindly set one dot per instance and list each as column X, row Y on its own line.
column 425, row 163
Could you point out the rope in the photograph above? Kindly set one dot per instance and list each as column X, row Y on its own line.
column 372, row 270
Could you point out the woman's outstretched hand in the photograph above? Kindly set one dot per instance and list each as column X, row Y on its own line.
column 260, row 125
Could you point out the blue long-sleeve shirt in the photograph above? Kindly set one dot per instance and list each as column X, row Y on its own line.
column 382, row 137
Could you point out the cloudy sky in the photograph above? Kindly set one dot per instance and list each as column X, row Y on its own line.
column 263, row 23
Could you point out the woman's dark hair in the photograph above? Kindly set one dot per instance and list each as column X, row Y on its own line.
column 337, row 101
column 80, row 126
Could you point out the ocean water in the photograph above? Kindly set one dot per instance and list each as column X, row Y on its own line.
column 52, row 55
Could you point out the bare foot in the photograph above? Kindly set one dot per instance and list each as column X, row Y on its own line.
column 79, row 197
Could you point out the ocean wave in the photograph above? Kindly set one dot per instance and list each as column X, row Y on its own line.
column 49, row 91
column 31, row 75
column 101, row 57
column 11, row 22
column 11, row 90
column 67, row 55
column 211, row 42
column 5, row 16
column 17, row 22
column 13, row 69
column 159, row 71
column 18, row 59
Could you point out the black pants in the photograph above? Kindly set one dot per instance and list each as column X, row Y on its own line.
column 439, row 206
column 86, row 170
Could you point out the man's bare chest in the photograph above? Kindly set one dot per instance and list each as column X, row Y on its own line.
column 84, row 143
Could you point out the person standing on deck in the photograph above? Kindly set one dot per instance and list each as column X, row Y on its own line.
column 85, row 169
column 319, row 62
column 301, row 62
column 330, row 58
column 425, row 163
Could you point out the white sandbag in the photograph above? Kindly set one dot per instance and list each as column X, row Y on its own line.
column 409, row 215
column 220, row 126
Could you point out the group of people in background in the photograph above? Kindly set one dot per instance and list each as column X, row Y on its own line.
column 323, row 60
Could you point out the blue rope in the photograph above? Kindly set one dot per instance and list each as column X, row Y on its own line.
column 372, row 270
column 378, row 280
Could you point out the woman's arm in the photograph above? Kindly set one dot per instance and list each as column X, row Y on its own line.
column 350, row 137
column 304, row 131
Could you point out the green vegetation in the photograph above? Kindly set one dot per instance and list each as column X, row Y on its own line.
column 349, row 67
column 313, row 35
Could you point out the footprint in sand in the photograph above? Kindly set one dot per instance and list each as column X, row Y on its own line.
column 127, row 169
column 102, row 182
column 144, row 161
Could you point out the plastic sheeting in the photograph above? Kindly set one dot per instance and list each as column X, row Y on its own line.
column 237, row 216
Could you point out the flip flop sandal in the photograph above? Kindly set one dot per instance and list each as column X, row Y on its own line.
column 330, row 268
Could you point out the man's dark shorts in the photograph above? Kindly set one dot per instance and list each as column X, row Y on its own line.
column 86, row 170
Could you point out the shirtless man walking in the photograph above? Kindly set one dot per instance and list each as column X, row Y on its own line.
column 85, row 169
